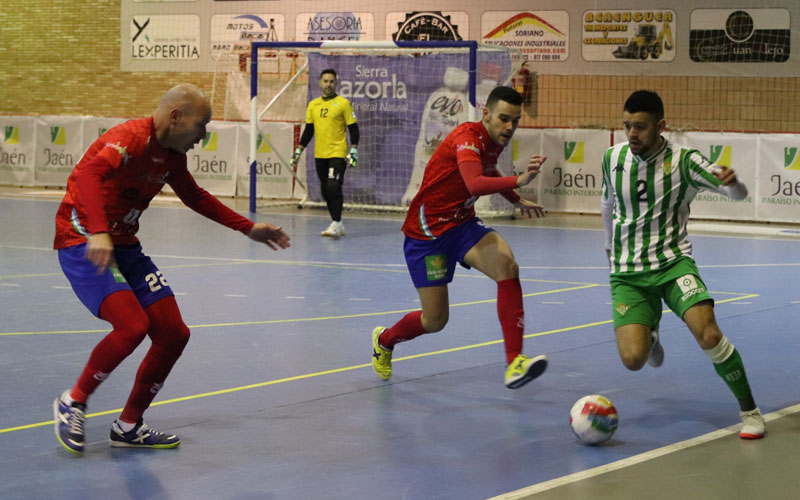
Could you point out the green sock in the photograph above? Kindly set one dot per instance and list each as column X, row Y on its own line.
column 732, row 372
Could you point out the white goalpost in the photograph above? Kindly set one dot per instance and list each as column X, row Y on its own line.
column 407, row 96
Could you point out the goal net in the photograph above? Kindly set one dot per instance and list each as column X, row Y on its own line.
column 407, row 96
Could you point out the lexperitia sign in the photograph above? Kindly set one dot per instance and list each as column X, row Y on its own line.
column 165, row 37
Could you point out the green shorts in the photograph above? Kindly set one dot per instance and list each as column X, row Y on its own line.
column 636, row 297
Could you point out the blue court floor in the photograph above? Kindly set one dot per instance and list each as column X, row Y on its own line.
column 275, row 397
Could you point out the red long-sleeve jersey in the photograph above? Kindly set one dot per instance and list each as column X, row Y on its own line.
column 454, row 177
column 118, row 176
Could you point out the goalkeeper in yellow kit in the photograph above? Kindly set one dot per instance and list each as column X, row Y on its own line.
column 328, row 116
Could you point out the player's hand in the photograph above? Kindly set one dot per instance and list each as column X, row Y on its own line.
column 725, row 174
column 272, row 236
column 98, row 251
column 296, row 156
column 534, row 167
column 530, row 208
column 352, row 157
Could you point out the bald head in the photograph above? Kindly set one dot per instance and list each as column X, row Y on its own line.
column 181, row 117
column 182, row 96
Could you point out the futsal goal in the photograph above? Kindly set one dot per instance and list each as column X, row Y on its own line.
column 407, row 96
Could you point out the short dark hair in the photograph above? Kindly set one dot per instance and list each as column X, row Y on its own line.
column 506, row 94
column 647, row 101
column 330, row 71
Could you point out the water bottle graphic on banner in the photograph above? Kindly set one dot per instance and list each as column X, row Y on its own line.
column 446, row 108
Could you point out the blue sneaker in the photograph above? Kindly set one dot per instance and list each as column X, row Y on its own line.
column 141, row 436
column 68, row 420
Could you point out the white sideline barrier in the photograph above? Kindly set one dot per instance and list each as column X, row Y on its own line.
column 59, row 146
column 273, row 177
column 17, row 150
column 41, row 151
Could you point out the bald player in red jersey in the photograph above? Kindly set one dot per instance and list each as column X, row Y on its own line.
column 441, row 230
column 100, row 254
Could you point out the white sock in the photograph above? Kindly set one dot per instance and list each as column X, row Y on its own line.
column 125, row 426
column 66, row 398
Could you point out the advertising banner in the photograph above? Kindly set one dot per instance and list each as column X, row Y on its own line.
column 737, row 151
column 527, row 142
column 405, row 107
column 165, row 37
column 274, row 178
column 778, row 192
column 629, row 35
column 94, row 127
column 740, row 35
column 538, row 35
column 213, row 162
column 427, row 25
column 17, row 149
column 572, row 179
column 320, row 26
column 232, row 32
column 59, row 146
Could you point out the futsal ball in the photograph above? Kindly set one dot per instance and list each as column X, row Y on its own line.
column 593, row 419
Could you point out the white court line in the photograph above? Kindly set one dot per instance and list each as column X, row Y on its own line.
column 368, row 264
column 358, row 299
column 60, row 287
column 10, row 284
column 235, row 295
column 179, row 293
column 552, row 302
column 637, row 459
column 294, row 297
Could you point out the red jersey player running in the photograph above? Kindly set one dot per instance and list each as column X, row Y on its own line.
column 441, row 229
column 98, row 250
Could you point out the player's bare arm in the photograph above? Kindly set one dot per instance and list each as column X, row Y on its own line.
column 98, row 251
column 530, row 208
column 725, row 174
column 272, row 236
column 534, row 167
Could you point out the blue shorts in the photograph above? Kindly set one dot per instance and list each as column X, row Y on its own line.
column 433, row 262
column 133, row 270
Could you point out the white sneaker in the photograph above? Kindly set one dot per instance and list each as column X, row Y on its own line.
column 335, row 230
column 656, row 357
column 752, row 425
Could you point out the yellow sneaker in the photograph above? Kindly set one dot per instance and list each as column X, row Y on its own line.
column 381, row 358
column 524, row 369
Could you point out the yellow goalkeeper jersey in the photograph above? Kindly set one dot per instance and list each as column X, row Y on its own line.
column 330, row 119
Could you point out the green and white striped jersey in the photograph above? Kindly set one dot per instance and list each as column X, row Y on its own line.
column 651, row 198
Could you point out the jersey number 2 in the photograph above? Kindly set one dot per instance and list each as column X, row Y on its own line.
column 641, row 191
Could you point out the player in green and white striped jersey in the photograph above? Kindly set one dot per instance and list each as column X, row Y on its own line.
column 648, row 185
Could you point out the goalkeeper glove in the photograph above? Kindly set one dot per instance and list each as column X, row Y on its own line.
column 296, row 156
column 352, row 157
